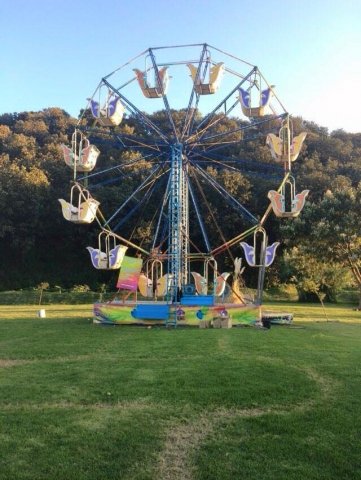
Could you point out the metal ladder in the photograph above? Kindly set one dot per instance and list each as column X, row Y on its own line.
column 171, row 321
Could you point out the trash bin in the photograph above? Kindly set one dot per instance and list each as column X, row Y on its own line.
column 266, row 322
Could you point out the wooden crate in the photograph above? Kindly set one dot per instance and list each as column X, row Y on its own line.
column 226, row 322
column 217, row 322
column 204, row 324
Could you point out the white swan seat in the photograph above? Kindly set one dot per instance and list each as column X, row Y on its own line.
column 256, row 111
column 84, row 213
column 110, row 260
column 215, row 76
column 111, row 114
column 157, row 90
column 278, row 204
column 279, row 148
column 83, row 157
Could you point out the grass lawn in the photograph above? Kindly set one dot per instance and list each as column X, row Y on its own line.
column 80, row 401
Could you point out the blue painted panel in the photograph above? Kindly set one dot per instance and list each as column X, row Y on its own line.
column 201, row 300
column 152, row 312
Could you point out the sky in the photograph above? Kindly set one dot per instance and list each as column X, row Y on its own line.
column 53, row 53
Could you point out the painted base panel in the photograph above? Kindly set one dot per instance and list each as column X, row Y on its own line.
column 187, row 315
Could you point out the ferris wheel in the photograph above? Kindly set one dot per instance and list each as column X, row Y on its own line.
column 179, row 120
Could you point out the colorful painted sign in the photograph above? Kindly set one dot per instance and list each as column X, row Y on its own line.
column 129, row 273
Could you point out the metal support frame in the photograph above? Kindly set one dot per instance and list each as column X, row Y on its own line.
column 184, row 224
column 138, row 113
column 231, row 200
column 165, row 100
column 193, row 104
column 261, row 272
column 184, row 147
column 199, row 217
column 178, row 244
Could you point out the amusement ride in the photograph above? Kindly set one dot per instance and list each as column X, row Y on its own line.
column 207, row 102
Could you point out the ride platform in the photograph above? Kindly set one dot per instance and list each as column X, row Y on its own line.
column 184, row 313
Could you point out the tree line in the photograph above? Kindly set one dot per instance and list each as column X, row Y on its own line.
column 320, row 250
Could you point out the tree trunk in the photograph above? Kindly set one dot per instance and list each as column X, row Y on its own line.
column 41, row 296
column 356, row 271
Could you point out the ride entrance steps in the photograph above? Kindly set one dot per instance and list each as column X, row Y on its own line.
column 171, row 321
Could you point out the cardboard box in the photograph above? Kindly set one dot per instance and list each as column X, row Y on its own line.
column 226, row 322
column 204, row 324
column 217, row 322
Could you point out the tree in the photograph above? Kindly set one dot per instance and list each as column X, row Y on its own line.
column 312, row 276
column 33, row 176
column 331, row 231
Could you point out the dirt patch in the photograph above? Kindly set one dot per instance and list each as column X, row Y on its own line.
column 6, row 363
column 126, row 406
column 182, row 440
column 175, row 460
column 325, row 384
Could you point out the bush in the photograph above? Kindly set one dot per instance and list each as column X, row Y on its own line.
column 80, row 288
column 31, row 297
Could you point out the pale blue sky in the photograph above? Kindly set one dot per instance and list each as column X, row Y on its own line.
column 54, row 52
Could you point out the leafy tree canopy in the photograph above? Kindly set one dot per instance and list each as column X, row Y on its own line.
column 33, row 176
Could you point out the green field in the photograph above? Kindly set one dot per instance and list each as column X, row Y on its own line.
column 80, row 401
